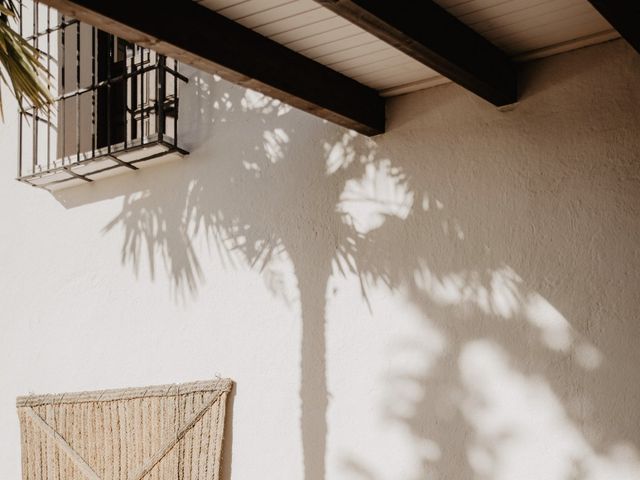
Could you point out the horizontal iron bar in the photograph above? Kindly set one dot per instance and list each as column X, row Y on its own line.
column 53, row 29
column 77, row 175
column 103, row 83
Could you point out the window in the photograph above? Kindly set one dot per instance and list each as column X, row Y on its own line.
column 116, row 104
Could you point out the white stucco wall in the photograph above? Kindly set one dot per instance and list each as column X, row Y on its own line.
column 460, row 296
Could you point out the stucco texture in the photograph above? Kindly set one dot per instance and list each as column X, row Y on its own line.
column 455, row 299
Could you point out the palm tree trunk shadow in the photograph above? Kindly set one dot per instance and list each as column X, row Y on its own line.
column 313, row 383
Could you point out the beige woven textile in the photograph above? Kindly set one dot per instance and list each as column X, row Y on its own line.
column 166, row 432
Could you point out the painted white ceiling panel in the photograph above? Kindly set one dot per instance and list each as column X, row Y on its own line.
column 524, row 29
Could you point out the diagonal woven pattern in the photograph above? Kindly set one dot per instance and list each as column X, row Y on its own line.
column 165, row 432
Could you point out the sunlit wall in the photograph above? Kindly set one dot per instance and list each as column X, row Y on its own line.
column 455, row 299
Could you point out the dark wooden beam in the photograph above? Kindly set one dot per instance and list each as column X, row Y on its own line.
column 624, row 16
column 428, row 33
column 195, row 35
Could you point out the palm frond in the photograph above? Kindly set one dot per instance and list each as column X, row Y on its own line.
column 20, row 66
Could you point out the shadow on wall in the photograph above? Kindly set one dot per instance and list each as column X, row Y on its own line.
column 517, row 250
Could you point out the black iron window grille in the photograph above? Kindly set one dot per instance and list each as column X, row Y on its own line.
column 115, row 108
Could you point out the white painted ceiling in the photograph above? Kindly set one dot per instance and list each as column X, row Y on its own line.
column 525, row 29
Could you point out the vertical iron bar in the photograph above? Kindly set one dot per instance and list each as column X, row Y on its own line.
column 78, row 96
column 175, row 104
column 133, row 94
column 20, row 112
column 161, row 95
column 125, row 85
column 142, row 96
column 63, row 73
column 35, row 112
column 93, row 92
column 109, row 62
column 48, row 84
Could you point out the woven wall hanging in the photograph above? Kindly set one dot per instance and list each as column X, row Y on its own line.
column 166, row 432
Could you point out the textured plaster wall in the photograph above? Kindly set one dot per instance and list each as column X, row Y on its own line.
column 455, row 299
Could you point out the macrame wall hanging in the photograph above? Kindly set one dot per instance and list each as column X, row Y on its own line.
column 168, row 432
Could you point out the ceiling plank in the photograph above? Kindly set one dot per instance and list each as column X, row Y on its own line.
column 624, row 16
column 197, row 36
column 428, row 33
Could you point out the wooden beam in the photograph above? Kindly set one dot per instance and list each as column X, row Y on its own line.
column 624, row 16
column 195, row 35
column 425, row 31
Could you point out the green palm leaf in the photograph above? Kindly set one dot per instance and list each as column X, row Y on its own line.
column 20, row 66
